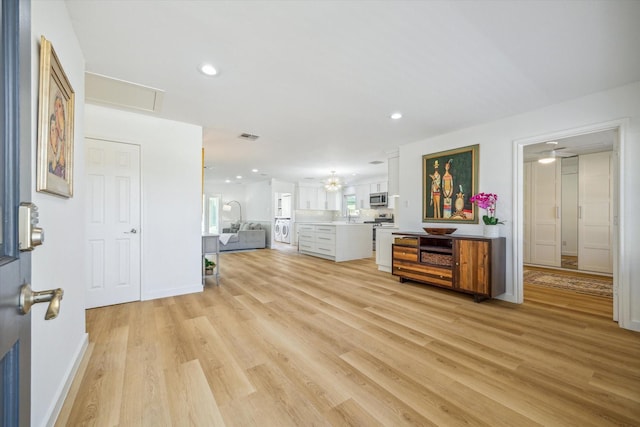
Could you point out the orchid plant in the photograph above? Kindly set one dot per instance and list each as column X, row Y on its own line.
column 487, row 201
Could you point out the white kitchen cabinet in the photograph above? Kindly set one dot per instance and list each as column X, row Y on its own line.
column 384, row 242
column 378, row 187
column 336, row 242
column 308, row 198
column 362, row 196
column 319, row 199
column 333, row 200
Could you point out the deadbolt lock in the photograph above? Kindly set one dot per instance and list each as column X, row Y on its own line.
column 29, row 234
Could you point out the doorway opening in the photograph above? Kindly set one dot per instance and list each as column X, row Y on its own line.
column 211, row 214
column 540, row 213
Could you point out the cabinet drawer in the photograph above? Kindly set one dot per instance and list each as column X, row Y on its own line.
column 326, row 239
column 325, row 249
column 443, row 273
column 326, row 229
column 426, row 278
column 406, row 241
column 423, row 273
column 307, row 235
column 405, row 253
column 303, row 227
column 305, row 246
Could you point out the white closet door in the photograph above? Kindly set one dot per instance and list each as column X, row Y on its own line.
column 546, row 232
column 595, row 213
column 113, row 223
column 526, row 220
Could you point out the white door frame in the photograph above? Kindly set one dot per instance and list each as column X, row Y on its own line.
column 621, row 290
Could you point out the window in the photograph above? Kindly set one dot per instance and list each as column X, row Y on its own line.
column 350, row 203
column 213, row 216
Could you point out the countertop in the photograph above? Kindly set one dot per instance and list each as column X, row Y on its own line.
column 333, row 223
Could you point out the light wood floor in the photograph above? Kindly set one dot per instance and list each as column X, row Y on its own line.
column 291, row 340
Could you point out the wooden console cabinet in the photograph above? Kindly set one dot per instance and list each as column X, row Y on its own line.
column 470, row 264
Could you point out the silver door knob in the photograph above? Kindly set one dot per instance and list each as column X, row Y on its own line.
column 28, row 297
column 132, row 231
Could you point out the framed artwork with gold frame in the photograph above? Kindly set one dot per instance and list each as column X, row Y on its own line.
column 56, row 101
column 449, row 179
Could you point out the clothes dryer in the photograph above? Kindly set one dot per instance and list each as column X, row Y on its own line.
column 277, row 230
column 285, row 230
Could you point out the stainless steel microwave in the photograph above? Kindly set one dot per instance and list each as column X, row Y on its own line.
column 378, row 200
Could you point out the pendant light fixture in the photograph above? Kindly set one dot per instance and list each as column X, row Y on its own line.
column 332, row 183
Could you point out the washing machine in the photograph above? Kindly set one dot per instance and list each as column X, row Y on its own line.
column 285, row 230
column 277, row 230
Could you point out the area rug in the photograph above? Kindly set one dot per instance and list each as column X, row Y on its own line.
column 602, row 287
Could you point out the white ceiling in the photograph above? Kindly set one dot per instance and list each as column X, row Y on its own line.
column 595, row 142
column 317, row 80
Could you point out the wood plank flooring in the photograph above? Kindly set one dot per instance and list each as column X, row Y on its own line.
column 292, row 340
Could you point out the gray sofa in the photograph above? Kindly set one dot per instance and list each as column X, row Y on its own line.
column 244, row 236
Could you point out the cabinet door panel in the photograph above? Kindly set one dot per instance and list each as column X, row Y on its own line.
column 472, row 266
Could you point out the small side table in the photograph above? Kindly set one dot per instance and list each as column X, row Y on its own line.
column 211, row 246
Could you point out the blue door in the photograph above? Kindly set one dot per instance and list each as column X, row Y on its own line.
column 15, row 185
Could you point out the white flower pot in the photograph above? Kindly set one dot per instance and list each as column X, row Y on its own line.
column 491, row 231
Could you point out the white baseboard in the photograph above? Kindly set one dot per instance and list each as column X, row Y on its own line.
column 63, row 390
column 164, row 293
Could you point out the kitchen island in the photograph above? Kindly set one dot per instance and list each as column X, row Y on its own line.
column 336, row 241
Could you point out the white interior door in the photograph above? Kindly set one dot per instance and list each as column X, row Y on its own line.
column 595, row 213
column 113, row 228
column 570, row 206
column 546, row 232
column 526, row 218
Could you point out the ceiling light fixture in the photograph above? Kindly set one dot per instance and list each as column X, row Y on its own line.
column 396, row 116
column 332, row 183
column 208, row 70
column 547, row 160
column 254, row 170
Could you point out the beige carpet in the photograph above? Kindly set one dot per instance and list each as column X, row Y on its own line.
column 602, row 287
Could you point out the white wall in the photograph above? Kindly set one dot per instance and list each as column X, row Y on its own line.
column 171, row 195
column 58, row 344
column 497, row 144
column 260, row 201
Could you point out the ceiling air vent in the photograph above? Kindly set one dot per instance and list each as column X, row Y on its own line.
column 376, row 162
column 248, row 136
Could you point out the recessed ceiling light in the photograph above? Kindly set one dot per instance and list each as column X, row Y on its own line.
column 254, row 170
column 227, row 181
column 396, row 116
column 208, row 69
column 238, row 176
